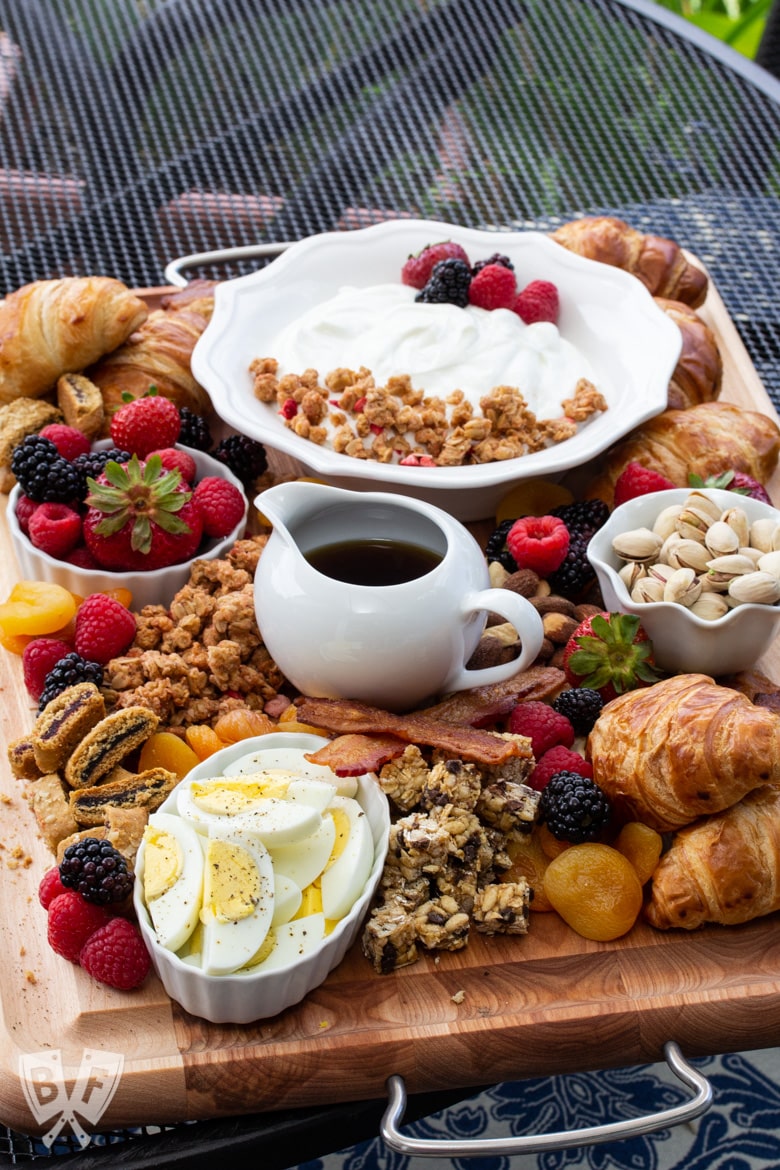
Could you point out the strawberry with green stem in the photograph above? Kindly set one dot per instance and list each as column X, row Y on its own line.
column 141, row 516
column 610, row 653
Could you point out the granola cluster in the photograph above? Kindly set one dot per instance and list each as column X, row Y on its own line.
column 204, row 655
column 448, row 852
column 396, row 422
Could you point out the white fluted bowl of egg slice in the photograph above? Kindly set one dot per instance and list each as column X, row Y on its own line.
column 255, row 876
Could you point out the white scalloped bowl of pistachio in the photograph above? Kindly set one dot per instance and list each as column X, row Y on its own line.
column 701, row 569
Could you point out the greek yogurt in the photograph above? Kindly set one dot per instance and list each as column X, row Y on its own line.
column 441, row 347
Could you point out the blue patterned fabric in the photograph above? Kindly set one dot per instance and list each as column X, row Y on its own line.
column 740, row 1131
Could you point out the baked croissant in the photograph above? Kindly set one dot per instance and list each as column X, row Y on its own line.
column 158, row 354
column 723, row 869
column 698, row 374
column 54, row 327
column 706, row 439
column 681, row 749
column 660, row 264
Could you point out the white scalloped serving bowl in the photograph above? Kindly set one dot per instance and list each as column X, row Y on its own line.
column 156, row 587
column 630, row 343
column 682, row 641
column 246, row 996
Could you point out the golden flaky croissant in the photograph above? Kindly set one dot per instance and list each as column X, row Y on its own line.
column 159, row 352
column 682, row 749
column 659, row 263
column 706, row 439
column 698, row 375
column 725, row 868
column 54, row 327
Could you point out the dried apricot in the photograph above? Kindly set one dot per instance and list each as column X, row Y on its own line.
column 529, row 861
column 203, row 740
column 551, row 846
column 120, row 594
column 242, row 723
column 595, row 889
column 163, row 749
column 642, row 846
column 36, row 607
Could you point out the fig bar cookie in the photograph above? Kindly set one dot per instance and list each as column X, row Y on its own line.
column 145, row 790
column 63, row 724
column 107, row 745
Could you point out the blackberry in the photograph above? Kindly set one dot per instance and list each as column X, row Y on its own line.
column 448, row 284
column 96, row 870
column 195, row 431
column 496, row 258
column 245, row 457
column 92, row 463
column 574, row 808
column 495, row 547
column 575, row 574
column 68, row 671
column 42, row 473
column 581, row 706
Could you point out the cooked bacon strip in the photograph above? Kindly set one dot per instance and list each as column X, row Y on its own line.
column 496, row 699
column 465, row 743
column 352, row 755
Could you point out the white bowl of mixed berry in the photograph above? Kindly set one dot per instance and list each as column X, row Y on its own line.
column 131, row 512
column 436, row 360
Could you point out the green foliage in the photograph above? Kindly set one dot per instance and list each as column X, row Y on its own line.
column 739, row 23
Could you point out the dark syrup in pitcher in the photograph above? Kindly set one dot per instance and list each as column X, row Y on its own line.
column 373, row 561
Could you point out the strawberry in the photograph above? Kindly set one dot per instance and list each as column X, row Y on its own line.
column 140, row 516
column 539, row 543
column 538, row 301
column 146, row 424
column 733, row 481
column 493, row 287
column 417, row 269
column 636, row 480
column 610, row 653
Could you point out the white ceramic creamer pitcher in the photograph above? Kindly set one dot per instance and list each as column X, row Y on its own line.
column 393, row 645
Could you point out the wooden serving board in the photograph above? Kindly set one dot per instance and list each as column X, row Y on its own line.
column 502, row 1009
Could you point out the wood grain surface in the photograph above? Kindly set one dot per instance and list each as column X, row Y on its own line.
column 530, row 1006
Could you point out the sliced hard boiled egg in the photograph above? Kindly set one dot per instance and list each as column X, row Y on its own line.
column 242, row 802
column 317, row 793
column 172, row 878
column 353, row 855
column 291, row 942
column 294, row 761
column 238, row 899
column 304, row 860
column 287, row 899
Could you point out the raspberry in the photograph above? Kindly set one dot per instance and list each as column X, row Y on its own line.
column 558, row 759
column 538, row 301
column 448, row 284
column 68, row 441
column 104, row 628
column 574, row 808
column 115, row 954
column 493, row 287
column 539, row 543
column 55, row 529
column 417, row 269
column 245, row 457
column 96, row 870
column 636, row 480
column 39, row 657
column 71, row 922
column 24, row 510
column 220, row 503
column 195, row 431
column 145, row 425
column 581, row 706
column 50, row 887
column 82, row 558
column 67, row 672
column 174, row 459
column 544, row 727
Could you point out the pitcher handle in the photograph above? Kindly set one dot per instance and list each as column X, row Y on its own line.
column 523, row 616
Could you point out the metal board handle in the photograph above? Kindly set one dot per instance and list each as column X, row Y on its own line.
column 175, row 269
column 540, row 1143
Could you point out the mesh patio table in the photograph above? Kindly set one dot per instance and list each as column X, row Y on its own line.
column 132, row 134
